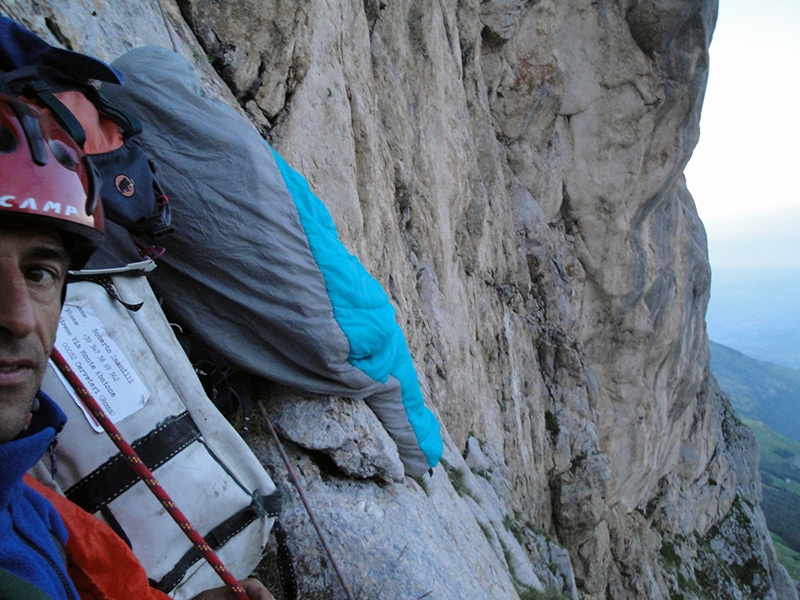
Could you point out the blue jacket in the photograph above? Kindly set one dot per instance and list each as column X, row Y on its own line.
column 30, row 528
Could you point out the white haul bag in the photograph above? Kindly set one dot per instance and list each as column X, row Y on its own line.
column 135, row 368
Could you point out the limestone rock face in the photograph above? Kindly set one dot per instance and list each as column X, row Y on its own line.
column 511, row 171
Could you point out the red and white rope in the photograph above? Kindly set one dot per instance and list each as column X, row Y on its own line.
column 147, row 477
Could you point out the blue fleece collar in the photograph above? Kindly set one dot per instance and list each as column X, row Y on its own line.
column 22, row 453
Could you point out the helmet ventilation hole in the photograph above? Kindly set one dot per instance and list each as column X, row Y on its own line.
column 63, row 154
column 8, row 141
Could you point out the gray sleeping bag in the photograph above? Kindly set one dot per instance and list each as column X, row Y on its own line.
column 255, row 266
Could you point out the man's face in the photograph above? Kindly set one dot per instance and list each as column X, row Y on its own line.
column 33, row 269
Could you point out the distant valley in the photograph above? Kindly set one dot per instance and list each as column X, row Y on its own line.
column 757, row 312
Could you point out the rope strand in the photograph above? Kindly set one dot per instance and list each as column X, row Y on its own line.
column 304, row 499
column 129, row 454
column 166, row 26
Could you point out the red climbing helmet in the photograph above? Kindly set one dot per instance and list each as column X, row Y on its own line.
column 45, row 179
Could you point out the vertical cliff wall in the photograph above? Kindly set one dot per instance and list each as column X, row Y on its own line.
column 512, row 172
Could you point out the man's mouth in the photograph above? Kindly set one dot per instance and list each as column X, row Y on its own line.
column 13, row 373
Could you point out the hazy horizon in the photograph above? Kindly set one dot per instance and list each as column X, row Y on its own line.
column 756, row 310
column 768, row 239
column 742, row 179
column 742, row 172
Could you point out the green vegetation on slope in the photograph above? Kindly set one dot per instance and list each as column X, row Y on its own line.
column 759, row 390
column 769, row 396
column 787, row 557
column 780, row 479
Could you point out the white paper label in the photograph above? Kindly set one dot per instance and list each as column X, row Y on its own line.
column 99, row 363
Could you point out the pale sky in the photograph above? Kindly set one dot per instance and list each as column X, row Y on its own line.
column 745, row 170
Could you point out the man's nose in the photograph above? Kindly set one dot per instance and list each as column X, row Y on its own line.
column 17, row 315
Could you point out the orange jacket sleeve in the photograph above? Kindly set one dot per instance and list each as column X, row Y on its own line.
column 100, row 564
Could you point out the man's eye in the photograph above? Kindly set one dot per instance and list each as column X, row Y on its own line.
column 42, row 275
